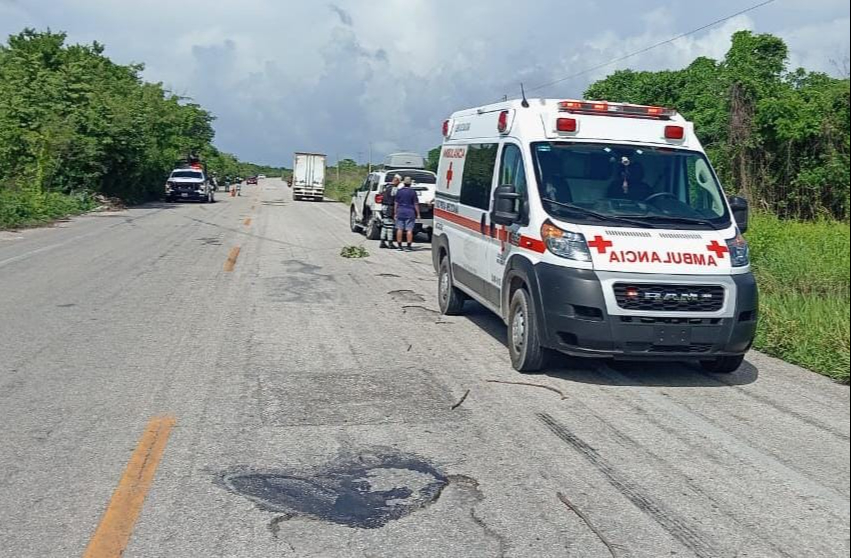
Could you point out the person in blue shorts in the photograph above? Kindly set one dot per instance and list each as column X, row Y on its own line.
column 407, row 212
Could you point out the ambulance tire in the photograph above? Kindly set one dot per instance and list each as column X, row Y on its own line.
column 524, row 338
column 449, row 298
column 723, row 365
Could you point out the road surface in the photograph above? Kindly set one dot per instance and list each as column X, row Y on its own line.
column 216, row 381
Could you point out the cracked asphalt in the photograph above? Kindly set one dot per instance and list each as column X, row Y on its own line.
column 323, row 408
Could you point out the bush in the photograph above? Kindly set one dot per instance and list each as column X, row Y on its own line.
column 350, row 178
column 21, row 209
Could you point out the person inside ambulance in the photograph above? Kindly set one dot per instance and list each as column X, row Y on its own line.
column 555, row 183
column 629, row 183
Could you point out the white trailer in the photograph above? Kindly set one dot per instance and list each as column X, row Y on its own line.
column 308, row 181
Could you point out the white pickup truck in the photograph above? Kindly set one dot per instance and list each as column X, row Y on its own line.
column 365, row 215
column 189, row 184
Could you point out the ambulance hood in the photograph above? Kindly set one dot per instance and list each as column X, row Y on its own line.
column 679, row 252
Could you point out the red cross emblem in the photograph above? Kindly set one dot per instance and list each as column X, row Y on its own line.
column 449, row 174
column 600, row 243
column 719, row 249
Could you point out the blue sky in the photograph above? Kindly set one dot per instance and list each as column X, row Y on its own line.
column 340, row 77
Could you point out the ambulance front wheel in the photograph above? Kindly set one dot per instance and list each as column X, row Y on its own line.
column 723, row 365
column 450, row 299
column 524, row 337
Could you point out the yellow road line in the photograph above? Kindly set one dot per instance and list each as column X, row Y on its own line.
column 232, row 256
column 116, row 525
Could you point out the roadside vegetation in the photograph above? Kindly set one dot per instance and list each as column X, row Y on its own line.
column 343, row 179
column 74, row 124
column 803, row 274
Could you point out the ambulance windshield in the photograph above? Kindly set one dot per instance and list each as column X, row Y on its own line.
column 628, row 185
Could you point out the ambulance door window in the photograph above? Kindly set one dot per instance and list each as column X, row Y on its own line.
column 478, row 175
column 513, row 173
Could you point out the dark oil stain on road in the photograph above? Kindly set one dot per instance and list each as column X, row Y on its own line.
column 363, row 491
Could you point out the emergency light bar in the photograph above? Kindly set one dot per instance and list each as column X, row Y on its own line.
column 616, row 109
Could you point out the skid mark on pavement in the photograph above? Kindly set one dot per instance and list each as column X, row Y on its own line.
column 671, row 522
column 406, row 295
column 116, row 525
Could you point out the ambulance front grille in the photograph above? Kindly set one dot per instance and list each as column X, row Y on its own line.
column 669, row 298
column 634, row 234
column 681, row 236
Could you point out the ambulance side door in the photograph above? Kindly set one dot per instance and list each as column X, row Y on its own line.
column 512, row 171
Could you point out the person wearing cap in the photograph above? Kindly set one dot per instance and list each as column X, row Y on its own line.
column 407, row 212
column 388, row 199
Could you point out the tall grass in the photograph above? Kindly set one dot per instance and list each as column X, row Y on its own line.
column 803, row 273
column 23, row 208
column 339, row 186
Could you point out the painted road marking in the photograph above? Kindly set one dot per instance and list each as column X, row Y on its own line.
column 232, row 256
column 116, row 526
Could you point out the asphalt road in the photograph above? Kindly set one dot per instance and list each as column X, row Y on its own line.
column 315, row 407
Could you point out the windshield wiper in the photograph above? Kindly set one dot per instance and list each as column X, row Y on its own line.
column 600, row 216
column 674, row 219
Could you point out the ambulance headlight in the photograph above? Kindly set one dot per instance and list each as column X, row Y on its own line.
column 739, row 252
column 565, row 244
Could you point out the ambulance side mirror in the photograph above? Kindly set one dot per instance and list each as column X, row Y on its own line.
column 739, row 207
column 505, row 205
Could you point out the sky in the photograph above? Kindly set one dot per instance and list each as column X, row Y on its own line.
column 352, row 78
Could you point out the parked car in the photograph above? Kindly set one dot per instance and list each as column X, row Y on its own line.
column 366, row 201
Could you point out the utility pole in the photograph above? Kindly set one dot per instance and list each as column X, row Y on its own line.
column 338, row 167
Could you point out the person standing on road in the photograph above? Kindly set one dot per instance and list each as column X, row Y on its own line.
column 388, row 203
column 407, row 212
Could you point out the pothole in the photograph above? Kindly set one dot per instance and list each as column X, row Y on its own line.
column 363, row 491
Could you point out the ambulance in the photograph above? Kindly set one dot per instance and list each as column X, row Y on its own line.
column 594, row 229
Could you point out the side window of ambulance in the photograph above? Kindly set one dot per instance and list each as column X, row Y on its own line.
column 478, row 175
column 513, row 173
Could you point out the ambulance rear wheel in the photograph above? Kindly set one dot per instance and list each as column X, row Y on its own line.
column 723, row 365
column 450, row 299
column 524, row 339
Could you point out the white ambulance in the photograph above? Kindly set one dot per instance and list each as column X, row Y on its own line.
column 595, row 229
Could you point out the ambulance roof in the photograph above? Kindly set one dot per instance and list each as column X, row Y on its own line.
column 570, row 120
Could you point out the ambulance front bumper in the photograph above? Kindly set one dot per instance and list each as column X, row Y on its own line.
column 574, row 320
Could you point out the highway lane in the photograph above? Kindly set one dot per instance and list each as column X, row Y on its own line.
column 315, row 407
